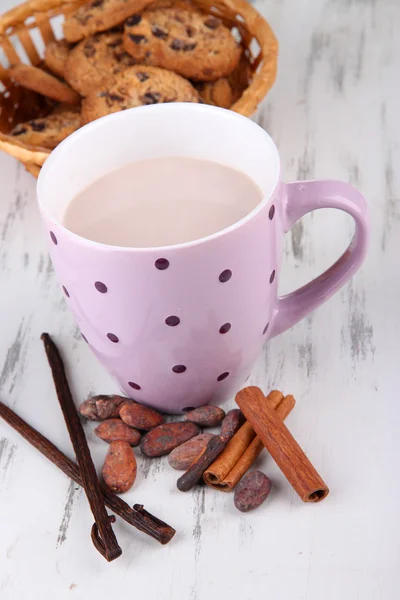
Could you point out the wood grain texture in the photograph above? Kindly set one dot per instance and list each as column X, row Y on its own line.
column 333, row 112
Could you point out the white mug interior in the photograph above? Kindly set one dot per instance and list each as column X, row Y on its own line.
column 176, row 129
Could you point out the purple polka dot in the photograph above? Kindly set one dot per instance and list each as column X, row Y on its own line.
column 172, row 321
column 272, row 277
column 265, row 329
column 134, row 385
column 112, row 337
column 161, row 264
column 101, row 287
column 225, row 275
column 223, row 376
column 271, row 212
column 179, row 369
column 53, row 238
column 84, row 338
column 66, row 292
column 225, row 328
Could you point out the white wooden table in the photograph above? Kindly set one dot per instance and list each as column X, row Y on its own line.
column 334, row 112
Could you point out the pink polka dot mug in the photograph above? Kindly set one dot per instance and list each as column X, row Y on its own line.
column 181, row 326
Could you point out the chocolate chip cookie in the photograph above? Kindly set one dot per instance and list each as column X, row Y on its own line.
column 137, row 86
column 49, row 131
column 193, row 44
column 43, row 83
column 94, row 60
column 99, row 15
column 56, row 55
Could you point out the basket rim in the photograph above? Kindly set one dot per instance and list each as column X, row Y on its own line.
column 18, row 14
column 258, row 26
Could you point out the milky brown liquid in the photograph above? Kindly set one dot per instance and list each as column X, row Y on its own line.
column 161, row 202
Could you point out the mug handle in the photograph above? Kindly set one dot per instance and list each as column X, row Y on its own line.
column 300, row 198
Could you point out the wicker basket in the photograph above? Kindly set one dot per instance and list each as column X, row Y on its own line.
column 37, row 17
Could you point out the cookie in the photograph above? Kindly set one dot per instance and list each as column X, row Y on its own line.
column 137, row 86
column 56, row 55
column 49, row 131
column 39, row 81
column 94, row 60
column 193, row 44
column 99, row 15
column 217, row 93
column 227, row 90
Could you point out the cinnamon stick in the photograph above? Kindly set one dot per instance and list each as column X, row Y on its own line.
column 103, row 535
column 228, row 469
column 137, row 516
column 228, row 458
column 255, row 448
column 282, row 446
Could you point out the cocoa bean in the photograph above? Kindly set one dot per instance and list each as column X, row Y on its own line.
column 141, row 417
column 251, row 491
column 164, row 438
column 233, row 420
column 206, row 416
column 114, row 430
column 119, row 469
column 100, row 408
column 182, row 457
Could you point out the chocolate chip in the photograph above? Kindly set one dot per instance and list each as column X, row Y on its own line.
column 212, row 22
column 115, row 98
column 97, row 3
column 151, row 98
column 111, row 98
column 115, row 43
column 159, row 32
column 189, row 47
column 142, row 76
column 134, row 20
column 19, row 130
column 89, row 50
column 125, row 57
column 177, row 44
column 138, row 39
column 190, row 31
column 37, row 126
column 182, row 45
column 208, row 72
